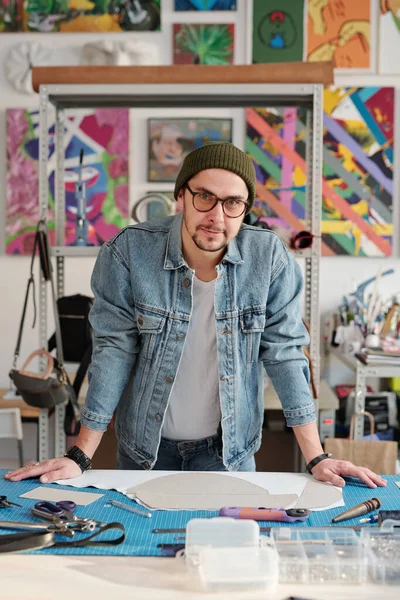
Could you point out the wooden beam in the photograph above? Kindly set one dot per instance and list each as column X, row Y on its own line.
column 297, row 72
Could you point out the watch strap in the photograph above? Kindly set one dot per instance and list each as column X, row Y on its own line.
column 316, row 460
column 79, row 457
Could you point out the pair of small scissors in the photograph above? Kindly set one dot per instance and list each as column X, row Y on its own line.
column 63, row 509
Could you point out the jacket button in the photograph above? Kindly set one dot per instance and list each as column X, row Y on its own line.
column 146, row 465
column 140, row 320
column 158, row 417
column 186, row 282
column 180, row 336
column 169, row 379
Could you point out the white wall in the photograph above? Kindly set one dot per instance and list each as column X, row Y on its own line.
column 338, row 275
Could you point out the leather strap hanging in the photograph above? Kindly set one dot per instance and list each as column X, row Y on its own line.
column 73, row 414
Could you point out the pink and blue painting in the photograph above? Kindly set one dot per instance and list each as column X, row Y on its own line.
column 100, row 137
column 205, row 4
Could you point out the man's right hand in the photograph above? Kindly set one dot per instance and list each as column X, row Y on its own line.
column 48, row 470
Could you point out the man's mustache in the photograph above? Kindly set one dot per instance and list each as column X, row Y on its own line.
column 211, row 228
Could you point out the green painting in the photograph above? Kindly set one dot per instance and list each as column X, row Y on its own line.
column 203, row 44
column 278, row 31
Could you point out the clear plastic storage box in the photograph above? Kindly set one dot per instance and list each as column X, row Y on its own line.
column 319, row 556
column 383, row 548
column 225, row 554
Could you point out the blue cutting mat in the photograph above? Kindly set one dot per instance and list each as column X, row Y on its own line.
column 140, row 541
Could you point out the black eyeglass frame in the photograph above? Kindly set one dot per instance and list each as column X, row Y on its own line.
column 245, row 204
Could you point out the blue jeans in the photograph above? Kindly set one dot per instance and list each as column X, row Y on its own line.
column 191, row 455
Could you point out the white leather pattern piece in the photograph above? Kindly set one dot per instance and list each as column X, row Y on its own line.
column 318, row 494
column 205, row 491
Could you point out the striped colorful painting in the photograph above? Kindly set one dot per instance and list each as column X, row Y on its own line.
column 357, row 184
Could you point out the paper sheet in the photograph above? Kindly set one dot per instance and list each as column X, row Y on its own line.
column 275, row 483
column 53, row 494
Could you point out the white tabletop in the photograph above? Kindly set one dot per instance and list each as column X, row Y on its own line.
column 98, row 577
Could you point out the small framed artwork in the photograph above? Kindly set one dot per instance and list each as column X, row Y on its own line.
column 205, row 4
column 203, row 44
column 171, row 140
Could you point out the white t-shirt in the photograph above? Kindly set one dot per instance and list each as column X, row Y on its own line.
column 194, row 410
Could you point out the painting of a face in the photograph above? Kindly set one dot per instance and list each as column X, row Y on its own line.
column 171, row 140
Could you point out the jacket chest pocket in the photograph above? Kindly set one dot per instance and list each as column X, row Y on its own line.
column 150, row 327
column 252, row 326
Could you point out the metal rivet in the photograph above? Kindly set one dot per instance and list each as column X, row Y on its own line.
column 158, row 417
column 181, row 336
column 140, row 320
column 186, row 282
column 169, row 379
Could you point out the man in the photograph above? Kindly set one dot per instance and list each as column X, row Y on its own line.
column 188, row 310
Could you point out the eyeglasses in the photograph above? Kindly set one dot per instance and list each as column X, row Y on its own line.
column 204, row 202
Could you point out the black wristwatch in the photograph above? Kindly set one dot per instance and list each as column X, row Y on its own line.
column 79, row 457
column 315, row 461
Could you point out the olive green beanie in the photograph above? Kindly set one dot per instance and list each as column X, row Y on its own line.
column 218, row 155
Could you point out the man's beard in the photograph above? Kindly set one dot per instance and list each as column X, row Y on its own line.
column 201, row 246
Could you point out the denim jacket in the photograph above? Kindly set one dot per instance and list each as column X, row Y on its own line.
column 143, row 298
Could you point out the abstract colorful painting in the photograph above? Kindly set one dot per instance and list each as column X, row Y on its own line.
column 81, row 15
column 103, row 136
column 357, row 185
column 170, row 140
column 389, row 37
column 205, row 4
column 203, row 44
column 278, row 31
column 339, row 31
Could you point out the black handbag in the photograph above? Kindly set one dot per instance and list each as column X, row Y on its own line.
column 45, row 390
column 76, row 331
column 41, row 390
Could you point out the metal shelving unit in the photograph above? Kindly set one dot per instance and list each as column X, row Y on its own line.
column 363, row 372
column 62, row 97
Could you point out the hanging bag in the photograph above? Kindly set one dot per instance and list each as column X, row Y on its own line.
column 76, row 332
column 44, row 390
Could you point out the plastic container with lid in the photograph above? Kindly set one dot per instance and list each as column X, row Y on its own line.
column 383, row 547
column 226, row 554
column 320, row 556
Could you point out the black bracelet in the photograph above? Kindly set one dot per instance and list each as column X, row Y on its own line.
column 79, row 457
column 315, row 461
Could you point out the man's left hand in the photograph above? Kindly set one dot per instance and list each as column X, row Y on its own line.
column 331, row 470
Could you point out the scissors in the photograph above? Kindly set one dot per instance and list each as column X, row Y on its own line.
column 63, row 509
column 61, row 515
